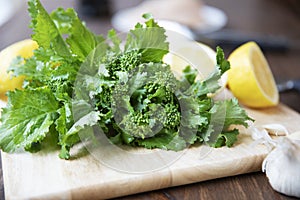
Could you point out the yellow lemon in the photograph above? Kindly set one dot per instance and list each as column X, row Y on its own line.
column 198, row 55
column 22, row 48
column 250, row 78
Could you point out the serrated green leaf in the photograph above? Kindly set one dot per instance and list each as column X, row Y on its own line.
column 27, row 118
column 170, row 141
column 150, row 41
column 46, row 33
column 63, row 19
column 231, row 113
column 227, row 138
column 81, row 40
column 222, row 63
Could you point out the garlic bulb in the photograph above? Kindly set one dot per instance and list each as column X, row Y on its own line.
column 282, row 167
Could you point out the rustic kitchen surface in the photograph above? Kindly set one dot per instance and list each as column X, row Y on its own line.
column 274, row 23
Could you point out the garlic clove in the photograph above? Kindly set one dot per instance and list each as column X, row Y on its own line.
column 261, row 136
column 282, row 167
column 276, row 129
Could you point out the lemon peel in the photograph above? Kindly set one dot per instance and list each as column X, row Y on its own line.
column 22, row 48
column 250, row 78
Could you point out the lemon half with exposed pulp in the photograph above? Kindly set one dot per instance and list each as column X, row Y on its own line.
column 250, row 78
column 196, row 54
column 22, row 48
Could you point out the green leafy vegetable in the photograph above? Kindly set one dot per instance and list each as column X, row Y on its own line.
column 78, row 80
column 27, row 118
column 46, row 32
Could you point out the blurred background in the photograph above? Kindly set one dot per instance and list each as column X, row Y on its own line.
column 274, row 24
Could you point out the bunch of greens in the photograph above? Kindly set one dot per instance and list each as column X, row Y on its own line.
column 77, row 79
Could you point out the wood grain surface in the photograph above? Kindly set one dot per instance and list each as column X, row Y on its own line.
column 44, row 176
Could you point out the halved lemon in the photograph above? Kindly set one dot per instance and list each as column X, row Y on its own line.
column 22, row 48
column 198, row 55
column 250, row 78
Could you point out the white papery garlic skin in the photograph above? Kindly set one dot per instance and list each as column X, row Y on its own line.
column 276, row 129
column 282, row 167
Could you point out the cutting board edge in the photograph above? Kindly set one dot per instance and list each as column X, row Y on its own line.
column 92, row 191
column 282, row 108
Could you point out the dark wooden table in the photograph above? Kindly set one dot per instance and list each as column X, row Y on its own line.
column 266, row 17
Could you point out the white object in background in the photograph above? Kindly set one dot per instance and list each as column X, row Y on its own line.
column 212, row 19
column 8, row 9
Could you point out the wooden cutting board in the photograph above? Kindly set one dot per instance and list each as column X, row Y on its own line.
column 45, row 176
